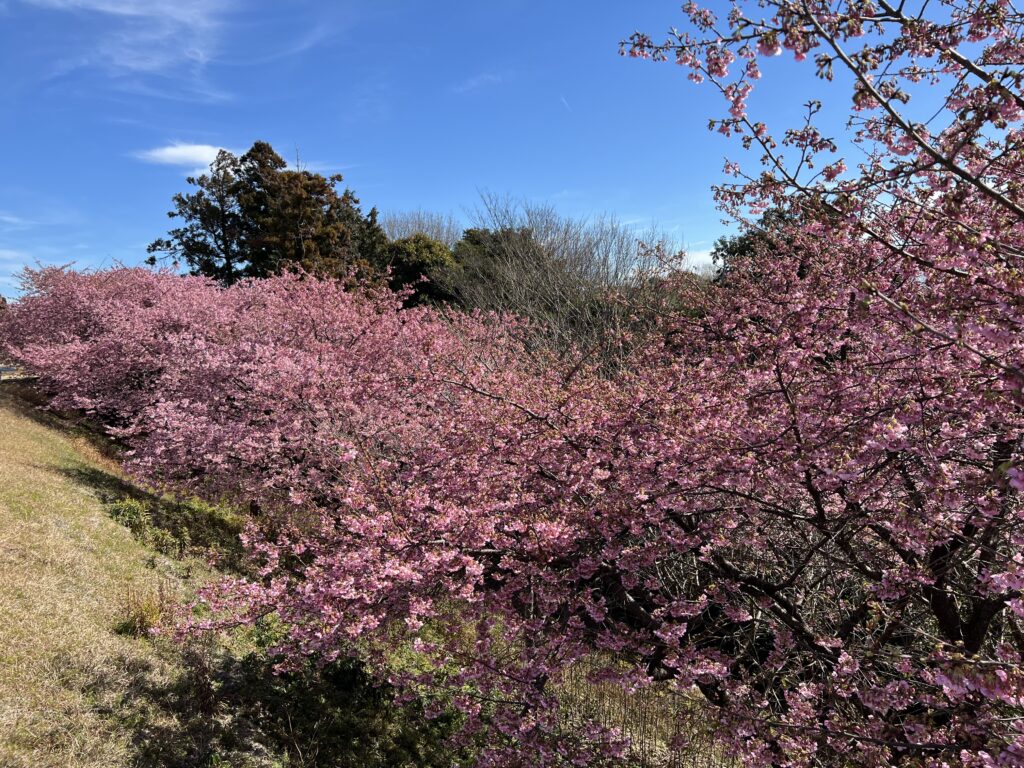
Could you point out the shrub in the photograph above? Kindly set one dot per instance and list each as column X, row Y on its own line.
column 167, row 543
column 132, row 514
column 141, row 519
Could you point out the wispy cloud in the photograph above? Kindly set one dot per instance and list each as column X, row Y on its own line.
column 187, row 156
column 565, row 103
column 193, row 88
column 9, row 220
column 309, row 39
column 147, row 36
column 478, row 81
column 9, row 256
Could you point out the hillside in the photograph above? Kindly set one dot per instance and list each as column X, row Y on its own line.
column 82, row 685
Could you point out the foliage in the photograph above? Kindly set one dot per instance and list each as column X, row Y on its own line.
column 347, row 716
column 136, row 517
column 730, row 251
column 423, row 264
column 482, row 250
column 252, row 216
column 443, row 228
column 876, row 407
column 179, row 528
column 132, row 514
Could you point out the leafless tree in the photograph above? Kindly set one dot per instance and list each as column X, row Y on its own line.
column 442, row 227
column 592, row 285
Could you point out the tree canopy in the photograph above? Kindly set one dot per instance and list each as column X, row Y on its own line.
column 252, row 216
column 424, row 265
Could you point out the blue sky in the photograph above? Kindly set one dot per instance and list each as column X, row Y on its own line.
column 108, row 104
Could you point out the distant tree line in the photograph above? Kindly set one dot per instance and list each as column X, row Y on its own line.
column 580, row 281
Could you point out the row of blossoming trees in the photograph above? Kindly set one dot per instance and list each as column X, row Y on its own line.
column 801, row 501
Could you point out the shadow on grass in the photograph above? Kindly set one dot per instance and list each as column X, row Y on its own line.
column 192, row 523
column 237, row 712
column 25, row 399
column 172, row 524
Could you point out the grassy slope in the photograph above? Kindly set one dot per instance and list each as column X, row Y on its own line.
column 66, row 570
column 76, row 691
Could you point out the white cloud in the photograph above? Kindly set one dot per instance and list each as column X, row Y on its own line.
column 477, row 82
column 700, row 259
column 148, row 36
column 191, row 156
column 10, row 221
column 196, row 158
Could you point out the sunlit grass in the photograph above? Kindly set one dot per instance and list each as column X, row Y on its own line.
column 65, row 567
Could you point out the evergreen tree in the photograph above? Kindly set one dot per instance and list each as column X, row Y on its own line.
column 252, row 216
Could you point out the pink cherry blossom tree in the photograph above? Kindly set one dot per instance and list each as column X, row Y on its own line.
column 801, row 503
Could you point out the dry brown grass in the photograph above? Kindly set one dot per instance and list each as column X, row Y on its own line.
column 666, row 729
column 65, row 569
